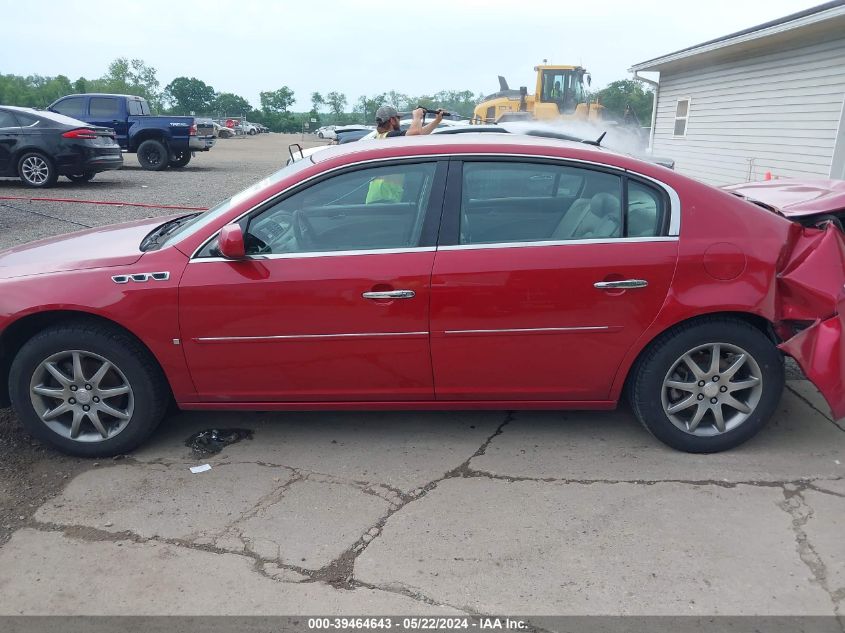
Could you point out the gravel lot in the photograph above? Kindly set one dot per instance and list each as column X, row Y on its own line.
column 377, row 513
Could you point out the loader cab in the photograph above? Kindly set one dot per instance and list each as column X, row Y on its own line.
column 560, row 89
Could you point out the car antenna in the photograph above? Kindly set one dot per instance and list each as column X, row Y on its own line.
column 598, row 141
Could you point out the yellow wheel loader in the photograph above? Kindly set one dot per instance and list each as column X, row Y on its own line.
column 559, row 95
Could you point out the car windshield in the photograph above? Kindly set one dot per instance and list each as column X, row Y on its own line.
column 204, row 219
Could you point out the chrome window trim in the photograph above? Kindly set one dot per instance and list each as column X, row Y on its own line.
column 309, row 255
column 606, row 240
column 674, row 204
column 288, row 337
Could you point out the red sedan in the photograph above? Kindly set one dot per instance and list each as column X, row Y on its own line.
column 465, row 272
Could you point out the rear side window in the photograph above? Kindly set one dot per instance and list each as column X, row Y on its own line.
column 137, row 108
column 534, row 202
column 647, row 210
column 105, row 107
column 7, row 119
column 527, row 202
column 72, row 107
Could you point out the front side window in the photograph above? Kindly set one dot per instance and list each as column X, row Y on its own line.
column 105, row 107
column 375, row 208
column 7, row 120
column 72, row 107
column 505, row 202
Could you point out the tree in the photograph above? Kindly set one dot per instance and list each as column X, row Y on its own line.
column 277, row 100
column 228, row 104
column 131, row 77
column 337, row 103
column 619, row 94
column 188, row 95
column 317, row 101
column 367, row 106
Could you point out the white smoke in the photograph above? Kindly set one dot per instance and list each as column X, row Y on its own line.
column 619, row 138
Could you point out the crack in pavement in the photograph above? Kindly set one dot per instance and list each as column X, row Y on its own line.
column 796, row 506
column 815, row 408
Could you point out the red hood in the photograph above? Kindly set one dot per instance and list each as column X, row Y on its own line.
column 795, row 197
column 103, row 247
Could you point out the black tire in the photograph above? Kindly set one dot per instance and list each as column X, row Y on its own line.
column 149, row 390
column 180, row 159
column 37, row 170
column 252, row 132
column 86, row 177
column 320, row 135
column 646, row 385
column 153, row 155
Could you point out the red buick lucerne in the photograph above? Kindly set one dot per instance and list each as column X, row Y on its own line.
column 465, row 272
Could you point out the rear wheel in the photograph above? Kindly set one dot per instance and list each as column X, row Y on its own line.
column 87, row 389
column 180, row 159
column 86, row 177
column 36, row 170
column 153, row 155
column 709, row 385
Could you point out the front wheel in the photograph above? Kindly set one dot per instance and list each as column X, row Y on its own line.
column 180, row 159
column 708, row 386
column 153, row 155
column 87, row 389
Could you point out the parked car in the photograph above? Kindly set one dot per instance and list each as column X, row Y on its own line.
column 462, row 271
column 38, row 147
column 159, row 141
column 326, row 131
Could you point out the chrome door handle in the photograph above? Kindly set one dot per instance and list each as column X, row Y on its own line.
column 622, row 284
column 390, row 294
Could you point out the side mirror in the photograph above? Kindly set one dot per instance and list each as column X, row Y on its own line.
column 230, row 243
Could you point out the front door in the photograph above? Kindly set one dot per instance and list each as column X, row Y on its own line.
column 332, row 302
column 547, row 282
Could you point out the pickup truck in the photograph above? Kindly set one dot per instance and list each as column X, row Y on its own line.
column 159, row 141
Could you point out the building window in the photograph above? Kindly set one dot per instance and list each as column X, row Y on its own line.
column 681, row 117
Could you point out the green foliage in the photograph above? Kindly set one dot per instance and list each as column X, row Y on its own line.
column 187, row 95
column 129, row 77
column 228, row 104
column 337, row 104
column 277, row 100
column 619, row 94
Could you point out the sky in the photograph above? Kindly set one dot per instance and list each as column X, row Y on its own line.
column 364, row 47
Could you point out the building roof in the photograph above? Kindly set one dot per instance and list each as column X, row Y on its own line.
column 827, row 17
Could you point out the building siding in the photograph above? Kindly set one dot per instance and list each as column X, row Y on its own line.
column 777, row 112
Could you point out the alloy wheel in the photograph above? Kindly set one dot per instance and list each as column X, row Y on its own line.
column 82, row 396
column 35, row 170
column 712, row 389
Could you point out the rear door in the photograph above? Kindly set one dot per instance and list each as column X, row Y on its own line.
column 538, row 292
column 9, row 138
column 108, row 112
column 332, row 302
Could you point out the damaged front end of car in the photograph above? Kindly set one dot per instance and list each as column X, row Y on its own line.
column 811, row 308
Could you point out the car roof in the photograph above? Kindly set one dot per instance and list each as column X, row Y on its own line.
column 456, row 143
column 55, row 117
column 101, row 94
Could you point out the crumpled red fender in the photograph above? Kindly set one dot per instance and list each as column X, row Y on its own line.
column 811, row 287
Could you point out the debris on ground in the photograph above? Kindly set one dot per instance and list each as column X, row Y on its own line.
column 212, row 441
